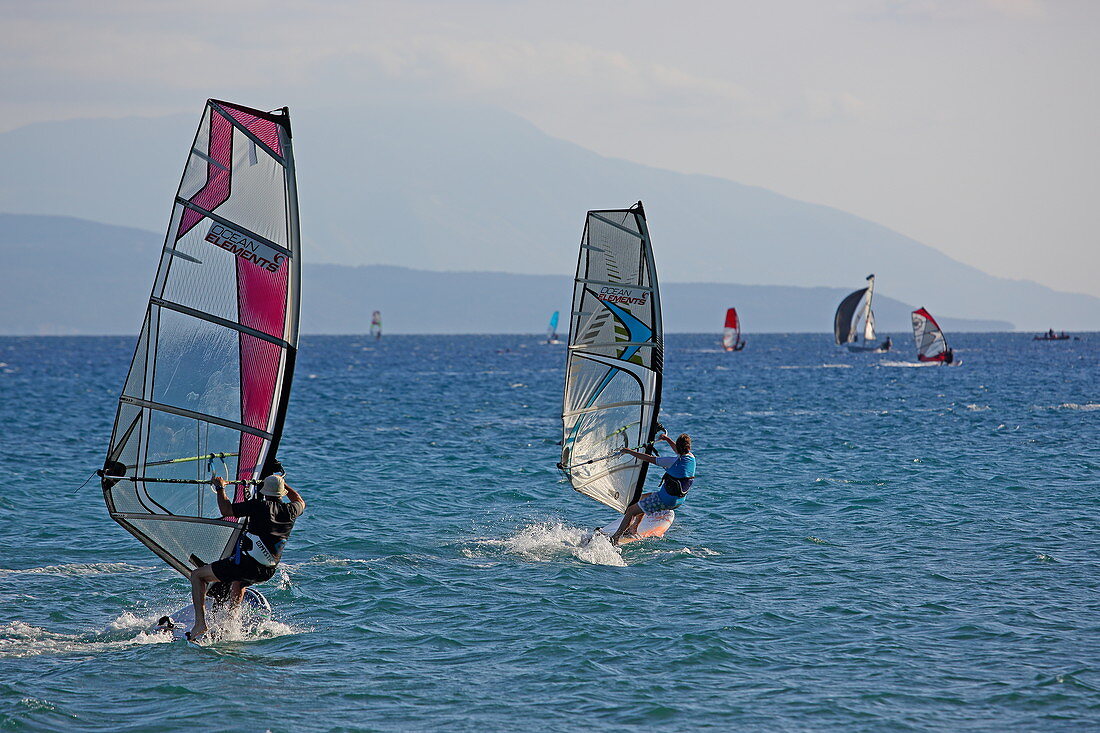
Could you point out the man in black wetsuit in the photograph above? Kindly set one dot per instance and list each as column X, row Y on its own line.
column 259, row 549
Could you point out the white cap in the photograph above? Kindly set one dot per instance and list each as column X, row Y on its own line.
column 273, row 486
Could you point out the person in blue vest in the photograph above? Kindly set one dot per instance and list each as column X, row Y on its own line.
column 675, row 484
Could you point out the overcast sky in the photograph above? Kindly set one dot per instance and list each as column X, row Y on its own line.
column 970, row 125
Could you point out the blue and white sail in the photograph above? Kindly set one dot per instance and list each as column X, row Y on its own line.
column 615, row 361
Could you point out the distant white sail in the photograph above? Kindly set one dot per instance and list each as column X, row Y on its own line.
column 868, row 314
column 613, row 371
column 869, row 326
column 846, row 323
column 376, row 325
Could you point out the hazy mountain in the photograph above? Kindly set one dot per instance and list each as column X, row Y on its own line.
column 71, row 276
column 475, row 189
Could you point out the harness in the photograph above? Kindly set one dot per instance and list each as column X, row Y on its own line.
column 678, row 487
column 257, row 550
column 254, row 547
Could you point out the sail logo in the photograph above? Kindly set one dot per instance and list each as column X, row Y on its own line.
column 245, row 247
column 622, row 296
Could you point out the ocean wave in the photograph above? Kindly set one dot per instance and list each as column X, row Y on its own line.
column 689, row 552
column 551, row 541
column 19, row 639
column 78, row 569
column 129, row 629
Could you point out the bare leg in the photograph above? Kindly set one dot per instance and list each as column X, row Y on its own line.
column 633, row 526
column 199, row 579
column 632, row 511
column 236, row 595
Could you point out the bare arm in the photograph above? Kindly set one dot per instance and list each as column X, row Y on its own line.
column 294, row 496
column 225, row 506
column 670, row 441
column 640, row 456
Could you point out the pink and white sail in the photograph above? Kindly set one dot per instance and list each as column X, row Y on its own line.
column 208, row 386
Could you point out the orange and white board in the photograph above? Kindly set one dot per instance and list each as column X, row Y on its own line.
column 652, row 526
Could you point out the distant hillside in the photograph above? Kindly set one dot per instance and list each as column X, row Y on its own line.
column 475, row 189
column 70, row 276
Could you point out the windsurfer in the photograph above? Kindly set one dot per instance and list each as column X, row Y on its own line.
column 675, row 484
column 269, row 521
column 887, row 344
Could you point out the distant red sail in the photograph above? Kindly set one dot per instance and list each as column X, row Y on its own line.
column 931, row 343
column 731, row 337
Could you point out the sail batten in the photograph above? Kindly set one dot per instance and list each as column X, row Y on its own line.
column 615, row 358
column 209, row 382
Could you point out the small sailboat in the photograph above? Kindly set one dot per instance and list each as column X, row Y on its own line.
column 613, row 370
column 731, row 338
column 209, row 383
column 376, row 325
column 849, row 318
column 931, row 343
column 552, row 329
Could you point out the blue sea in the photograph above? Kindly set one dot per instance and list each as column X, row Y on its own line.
column 871, row 545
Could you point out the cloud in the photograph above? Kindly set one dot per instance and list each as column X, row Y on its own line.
column 826, row 106
column 1017, row 8
column 953, row 10
column 535, row 71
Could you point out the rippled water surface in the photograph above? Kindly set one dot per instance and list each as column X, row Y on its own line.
column 871, row 545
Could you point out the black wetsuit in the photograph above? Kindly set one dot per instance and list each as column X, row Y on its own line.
column 271, row 522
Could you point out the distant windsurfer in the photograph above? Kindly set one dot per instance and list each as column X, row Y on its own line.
column 887, row 344
column 675, row 484
column 259, row 548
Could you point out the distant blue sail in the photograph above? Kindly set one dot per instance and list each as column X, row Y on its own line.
column 552, row 329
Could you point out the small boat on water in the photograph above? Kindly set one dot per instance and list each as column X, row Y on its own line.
column 931, row 343
column 1051, row 336
column 731, row 338
column 851, row 322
